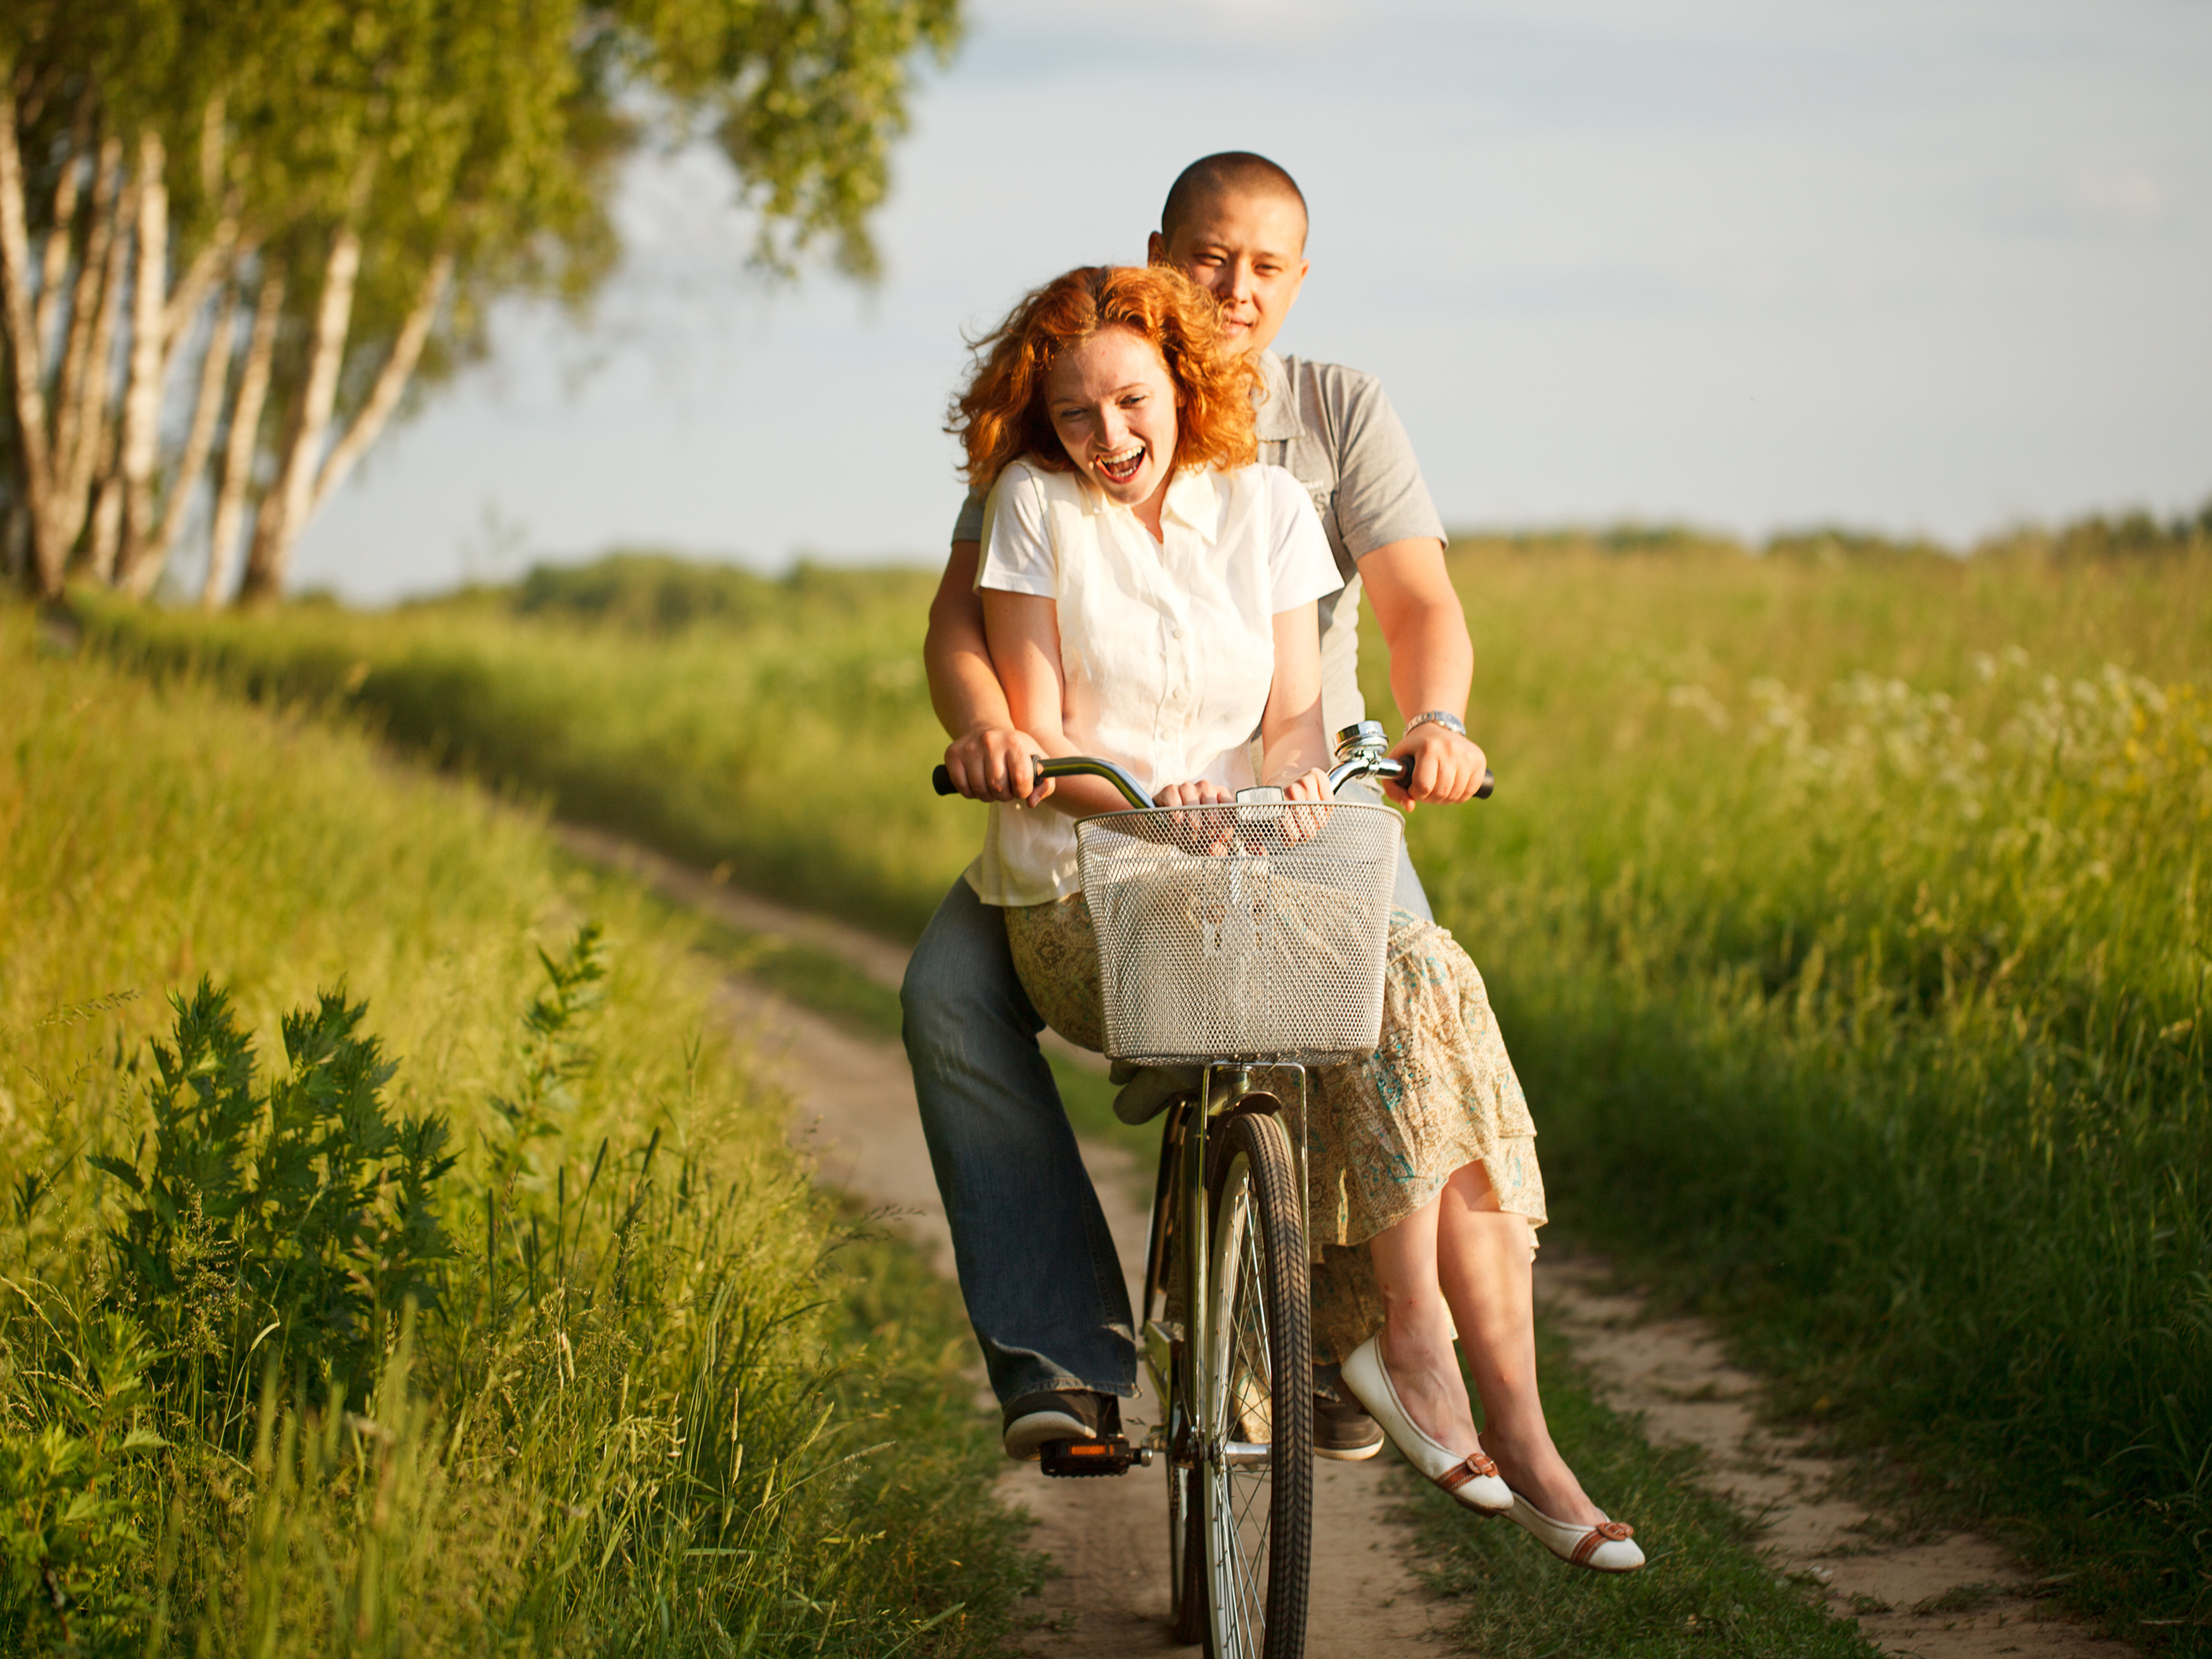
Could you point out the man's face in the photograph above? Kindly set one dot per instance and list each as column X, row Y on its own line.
column 1248, row 252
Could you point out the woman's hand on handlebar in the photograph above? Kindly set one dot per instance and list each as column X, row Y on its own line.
column 1311, row 786
column 1447, row 767
column 1203, row 827
column 991, row 762
column 1197, row 792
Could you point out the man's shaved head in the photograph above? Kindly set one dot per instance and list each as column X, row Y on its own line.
column 1233, row 173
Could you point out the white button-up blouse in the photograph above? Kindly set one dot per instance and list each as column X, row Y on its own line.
column 1167, row 647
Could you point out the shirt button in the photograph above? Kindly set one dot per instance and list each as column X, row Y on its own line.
column 1175, row 633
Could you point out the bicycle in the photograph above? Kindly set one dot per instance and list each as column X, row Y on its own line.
column 1240, row 946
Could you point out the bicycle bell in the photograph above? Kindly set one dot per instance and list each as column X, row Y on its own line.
column 1366, row 741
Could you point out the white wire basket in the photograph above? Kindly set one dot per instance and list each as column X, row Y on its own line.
column 1251, row 932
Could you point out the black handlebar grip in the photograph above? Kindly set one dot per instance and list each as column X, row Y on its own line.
column 941, row 778
column 1399, row 770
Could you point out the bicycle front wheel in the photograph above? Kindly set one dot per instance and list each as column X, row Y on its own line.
column 1256, row 1398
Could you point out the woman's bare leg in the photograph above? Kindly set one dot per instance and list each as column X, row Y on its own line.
column 1483, row 1257
column 1416, row 1341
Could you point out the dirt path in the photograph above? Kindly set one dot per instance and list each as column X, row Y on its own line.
column 1953, row 1597
column 857, row 1118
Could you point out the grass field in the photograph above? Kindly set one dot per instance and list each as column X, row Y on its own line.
column 1849, row 924
column 718, row 740
column 477, row 1307
column 1845, row 909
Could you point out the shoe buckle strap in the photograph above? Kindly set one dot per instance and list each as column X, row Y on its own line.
column 1474, row 1466
column 1606, row 1532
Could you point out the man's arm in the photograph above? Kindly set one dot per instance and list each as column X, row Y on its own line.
column 1431, row 665
column 989, row 756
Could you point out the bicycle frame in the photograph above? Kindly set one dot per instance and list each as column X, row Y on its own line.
column 1224, row 1089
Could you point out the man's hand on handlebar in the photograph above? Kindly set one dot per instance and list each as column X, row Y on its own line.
column 991, row 762
column 1448, row 769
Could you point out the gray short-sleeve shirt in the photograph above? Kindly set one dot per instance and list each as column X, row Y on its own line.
column 1333, row 430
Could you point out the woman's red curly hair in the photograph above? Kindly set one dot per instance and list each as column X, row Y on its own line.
column 1000, row 416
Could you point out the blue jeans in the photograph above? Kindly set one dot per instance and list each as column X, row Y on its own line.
column 1037, row 1265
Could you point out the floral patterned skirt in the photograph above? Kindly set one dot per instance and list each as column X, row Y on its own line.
column 1439, row 1093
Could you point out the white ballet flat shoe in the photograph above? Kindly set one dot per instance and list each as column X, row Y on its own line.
column 1605, row 1547
column 1472, row 1478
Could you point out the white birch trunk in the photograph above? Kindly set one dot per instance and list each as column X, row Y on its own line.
column 94, row 480
column 239, row 452
column 212, row 263
column 141, row 391
column 284, row 509
column 105, row 534
column 207, row 406
column 76, row 436
column 55, row 265
column 26, row 358
column 384, row 396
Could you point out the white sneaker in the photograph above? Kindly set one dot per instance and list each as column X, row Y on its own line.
column 1035, row 1419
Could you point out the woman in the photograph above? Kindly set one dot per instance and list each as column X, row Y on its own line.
column 1148, row 596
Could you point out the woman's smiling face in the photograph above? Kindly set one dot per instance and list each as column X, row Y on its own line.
column 1114, row 407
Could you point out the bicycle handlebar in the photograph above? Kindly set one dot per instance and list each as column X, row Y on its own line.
column 1397, row 771
column 1074, row 766
column 1068, row 766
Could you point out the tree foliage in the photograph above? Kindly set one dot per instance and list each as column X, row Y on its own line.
column 232, row 236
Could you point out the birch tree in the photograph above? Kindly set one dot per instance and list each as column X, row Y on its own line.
column 234, row 239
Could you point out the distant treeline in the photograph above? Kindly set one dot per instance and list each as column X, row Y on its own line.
column 2128, row 535
column 658, row 592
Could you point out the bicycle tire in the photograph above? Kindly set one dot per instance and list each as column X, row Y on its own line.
column 1187, row 1607
column 1187, row 1621
column 1258, row 1389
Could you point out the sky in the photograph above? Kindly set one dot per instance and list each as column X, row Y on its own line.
column 1920, row 269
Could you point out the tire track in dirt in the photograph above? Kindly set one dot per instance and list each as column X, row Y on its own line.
column 856, row 1117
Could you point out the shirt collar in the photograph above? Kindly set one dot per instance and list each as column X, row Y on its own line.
column 1191, row 501
column 1277, row 412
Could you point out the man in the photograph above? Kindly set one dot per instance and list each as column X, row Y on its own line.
column 1037, row 1266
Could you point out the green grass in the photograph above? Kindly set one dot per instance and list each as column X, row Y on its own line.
column 1844, row 909
column 719, row 743
column 663, row 1397
column 1702, row 1591
column 1848, row 926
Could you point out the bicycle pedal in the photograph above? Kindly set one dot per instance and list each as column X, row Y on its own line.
column 1073, row 1459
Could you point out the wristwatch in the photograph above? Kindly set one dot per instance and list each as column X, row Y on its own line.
column 1442, row 717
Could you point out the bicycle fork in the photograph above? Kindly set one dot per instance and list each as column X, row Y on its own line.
column 1180, row 1218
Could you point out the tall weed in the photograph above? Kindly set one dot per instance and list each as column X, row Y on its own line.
column 283, row 1371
